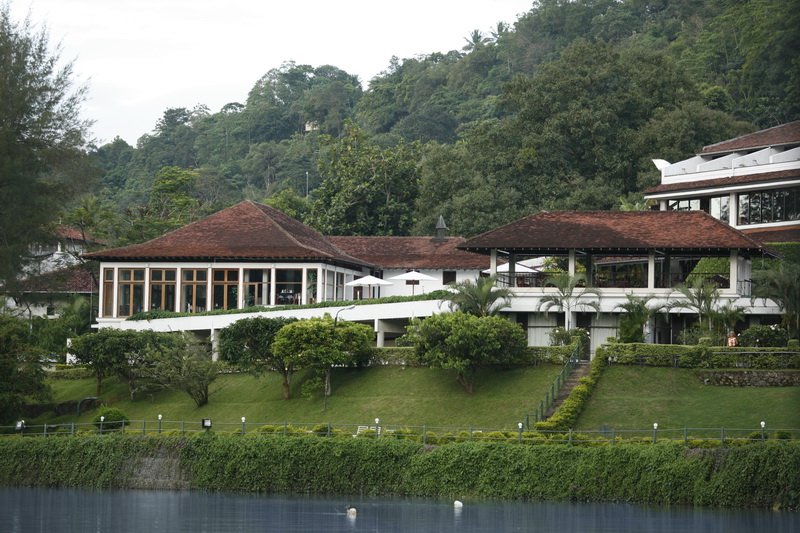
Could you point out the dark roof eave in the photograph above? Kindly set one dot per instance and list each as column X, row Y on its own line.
column 229, row 259
column 565, row 251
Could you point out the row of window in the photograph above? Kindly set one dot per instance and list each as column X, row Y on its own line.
column 191, row 295
column 760, row 207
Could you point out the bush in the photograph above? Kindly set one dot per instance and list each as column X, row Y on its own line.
column 113, row 419
column 764, row 336
column 756, row 435
column 783, row 435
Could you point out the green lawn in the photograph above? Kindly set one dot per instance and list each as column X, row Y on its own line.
column 634, row 398
column 396, row 395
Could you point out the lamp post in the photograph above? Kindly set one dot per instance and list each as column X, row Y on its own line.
column 243, row 419
column 159, row 424
column 333, row 345
column 520, row 431
column 655, row 432
column 102, row 418
column 377, row 428
column 763, row 424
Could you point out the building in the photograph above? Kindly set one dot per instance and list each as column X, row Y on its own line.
column 751, row 182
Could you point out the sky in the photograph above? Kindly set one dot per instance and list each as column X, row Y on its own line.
column 141, row 57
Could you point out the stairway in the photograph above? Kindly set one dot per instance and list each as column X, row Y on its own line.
column 582, row 368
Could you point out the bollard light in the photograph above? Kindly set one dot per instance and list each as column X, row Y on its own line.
column 763, row 424
column 520, row 432
column 655, row 432
column 159, row 424
column 763, row 436
column 243, row 419
column 159, row 417
column 377, row 428
column 655, row 425
column 206, row 424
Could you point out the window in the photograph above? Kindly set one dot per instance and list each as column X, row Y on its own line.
column 162, row 289
column 108, row 292
column 448, row 276
column 131, row 291
column 685, row 205
column 763, row 207
column 256, row 287
column 225, row 287
column 288, row 286
column 718, row 208
column 194, row 290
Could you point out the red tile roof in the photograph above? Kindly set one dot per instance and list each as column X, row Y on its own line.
column 245, row 231
column 776, row 177
column 76, row 279
column 554, row 232
column 68, row 232
column 781, row 234
column 411, row 252
column 777, row 136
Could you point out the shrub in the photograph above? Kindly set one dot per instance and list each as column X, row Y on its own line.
column 756, row 435
column 764, row 336
column 783, row 435
column 268, row 429
column 113, row 419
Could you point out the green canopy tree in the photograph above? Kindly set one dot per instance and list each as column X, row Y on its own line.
column 248, row 344
column 321, row 343
column 185, row 366
column 43, row 138
column 466, row 343
column 571, row 294
column 638, row 312
column 22, row 375
column 782, row 285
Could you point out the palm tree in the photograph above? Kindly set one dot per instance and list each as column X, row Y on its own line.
column 701, row 296
column 782, row 285
column 637, row 314
column 480, row 298
column 475, row 40
column 569, row 296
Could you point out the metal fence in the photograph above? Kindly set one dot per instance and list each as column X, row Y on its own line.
column 555, row 388
column 430, row 435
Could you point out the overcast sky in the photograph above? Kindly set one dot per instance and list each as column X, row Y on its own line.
column 141, row 57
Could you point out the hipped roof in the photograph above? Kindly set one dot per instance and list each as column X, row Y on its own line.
column 557, row 232
column 245, row 231
column 785, row 134
column 411, row 252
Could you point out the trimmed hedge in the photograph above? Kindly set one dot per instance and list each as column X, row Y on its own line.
column 699, row 356
column 760, row 475
column 570, row 409
column 534, row 355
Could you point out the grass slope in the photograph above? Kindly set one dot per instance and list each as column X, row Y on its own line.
column 396, row 395
column 630, row 397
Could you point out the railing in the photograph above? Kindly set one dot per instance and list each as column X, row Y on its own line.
column 604, row 278
column 555, row 388
column 691, row 437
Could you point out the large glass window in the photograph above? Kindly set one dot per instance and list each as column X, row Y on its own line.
column 194, row 290
column 763, row 207
column 288, row 286
column 718, row 208
column 163, row 288
column 256, row 287
column 225, row 284
column 131, row 291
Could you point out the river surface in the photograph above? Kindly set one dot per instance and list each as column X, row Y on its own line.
column 133, row 511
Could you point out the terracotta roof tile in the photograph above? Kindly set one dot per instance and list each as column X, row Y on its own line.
column 411, row 252
column 247, row 230
column 68, row 232
column 777, row 136
column 724, row 182
column 76, row 279
column 618, row 231
column 782, row 234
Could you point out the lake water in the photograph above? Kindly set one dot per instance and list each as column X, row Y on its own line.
column 84, row 511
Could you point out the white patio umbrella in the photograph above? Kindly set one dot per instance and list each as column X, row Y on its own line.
column 368, row 281
column 519, row 268
column 414, row 276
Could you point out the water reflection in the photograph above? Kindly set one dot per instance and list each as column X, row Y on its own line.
column 72, row 510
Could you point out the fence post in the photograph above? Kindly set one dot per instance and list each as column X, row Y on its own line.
column 722, row 440
column 424, row 434
column 685, row 436
column 72, row 429
column 183, row 428
column 470, row 433
column 613, row 436
column 570, row 436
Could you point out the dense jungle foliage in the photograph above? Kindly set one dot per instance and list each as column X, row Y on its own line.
column 563, row 108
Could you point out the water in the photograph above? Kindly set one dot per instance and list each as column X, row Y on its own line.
column 84, row 511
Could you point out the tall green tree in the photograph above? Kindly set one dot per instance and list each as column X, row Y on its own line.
column 43, row 137
column 366, row 190
column 185, row 366
column 638, row 311
column 22, row 375
column 570, row 295
column 247, row 343
column 782, row 285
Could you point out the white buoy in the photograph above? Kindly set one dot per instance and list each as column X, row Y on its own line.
column 351, row 512
column 457, row 504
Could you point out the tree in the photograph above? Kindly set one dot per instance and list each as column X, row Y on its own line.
column 782, row 285
column 248, row 344
column 481, row 297
column 320, row 343
column 569, row 296
column 366, row 190
column 21, row 372
column 42, row 138
column 120, row 352
column 701, row 296
column 637, row 314
column 466, row 343
column 187, row 366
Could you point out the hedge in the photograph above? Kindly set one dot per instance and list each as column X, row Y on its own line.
column 759, row 475
column 700, row 356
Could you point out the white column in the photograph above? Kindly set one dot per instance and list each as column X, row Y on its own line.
column 651, row 270
column 493, row 262
column 734, row 277
column 214, row 344
column 733, row 210
column 571, row 267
